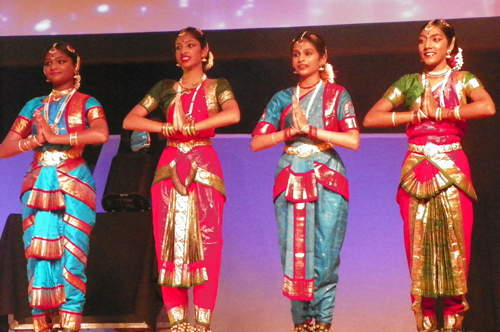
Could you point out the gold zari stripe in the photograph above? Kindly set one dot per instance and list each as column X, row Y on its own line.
column 95, row 113
column 47, row 297
column 70, row 321
column 178, row 314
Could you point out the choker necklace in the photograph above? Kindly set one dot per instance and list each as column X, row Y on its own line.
column 58, row 94
column 297, row 95
column 308, row 87
column 438, row 73
column 54, row 125
column 192, row 86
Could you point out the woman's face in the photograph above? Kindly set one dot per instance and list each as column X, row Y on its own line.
column 305, row 58
column 432, row 47
column 188, row 51
column 59, row 69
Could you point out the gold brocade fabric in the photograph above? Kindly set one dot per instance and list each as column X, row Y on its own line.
column 199, row 175
column 149, row 103
column 182, row 243
column 438, row 266
column 45, row 248
column 74, row 280
column 47, row 297
column 22, row 126
column 95, row 113
column 202, row 316
column 295, row 288
column 178, row 314
column 211, row 98
column 70, row 321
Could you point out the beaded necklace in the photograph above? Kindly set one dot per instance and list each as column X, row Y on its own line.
column 179, row 89
column 54, row 125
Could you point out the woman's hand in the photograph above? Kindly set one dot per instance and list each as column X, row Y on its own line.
column 180, row 118
column 299, row 120
column 429, row 104
column 44, row 131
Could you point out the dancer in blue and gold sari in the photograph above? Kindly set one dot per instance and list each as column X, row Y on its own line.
column 311, row 191
column 58, row 192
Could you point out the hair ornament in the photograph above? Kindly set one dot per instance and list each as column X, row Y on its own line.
column 53, row 49
column 328, row 75
column 210, row 61
column 457, row 61
column 429, row 26
column 71, row 49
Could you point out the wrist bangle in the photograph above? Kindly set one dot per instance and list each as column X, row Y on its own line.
column 36, row 141
column 328, row 137
column 394, row 119
column 439, row 114
column 313, row 133
column 301, row 129
column 288, row 134
column 456, row 112
column 272, row 139
column 19, row 146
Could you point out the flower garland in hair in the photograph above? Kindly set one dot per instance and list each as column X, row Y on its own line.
column 457, row 61
column 210, row 61
column 329, row 74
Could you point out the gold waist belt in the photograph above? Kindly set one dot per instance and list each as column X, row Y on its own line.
column 431, row 149
column 54, row 157
column 185, row 147
column 305, row 151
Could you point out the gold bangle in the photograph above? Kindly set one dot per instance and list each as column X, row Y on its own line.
column 394, row 119
column 328, row 137
column 456, row 112
column 439, row 114
column 76, row 138
column 19, row 146
column 36, row 141
column 71, row 139
column 272, row 138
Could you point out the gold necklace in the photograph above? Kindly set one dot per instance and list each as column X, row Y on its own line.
column 58, row 94
column 192, row 86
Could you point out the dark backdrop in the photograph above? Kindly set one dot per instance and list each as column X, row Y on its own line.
column 119, row 69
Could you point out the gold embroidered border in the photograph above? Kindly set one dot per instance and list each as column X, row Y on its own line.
column 28, row 222
column 182, row 242
column 22, row 126
column 149, row 103
column 47, row 297
column 202, row 176
column 77, row 223
column 77, row 189
column 450, row 200
column 74, row 280
column 45, row 248
column 394, row 95
column 95, row 113
column 211, row 98
column 298, row 288
column 299, row 241
column 225, row 96
column 449, row 174
column 178, row 314
column 71, row 321
column 202, row 316
column 46, row 200
column 40, row 323
column 75, row 251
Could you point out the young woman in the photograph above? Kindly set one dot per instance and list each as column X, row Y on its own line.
column 58, row 191
column 188, row 189
column 435, row 191
column 311, row 191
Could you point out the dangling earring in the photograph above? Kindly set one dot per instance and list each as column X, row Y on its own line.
column 448, row 54
column 78, row 79
column 178, row 65
column 204, row 60
column 322, row 68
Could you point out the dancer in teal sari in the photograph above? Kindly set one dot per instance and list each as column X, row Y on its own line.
column 58, row 192
column 311, row 191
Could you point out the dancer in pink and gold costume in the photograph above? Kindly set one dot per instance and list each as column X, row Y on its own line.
column 435, row 190
column 188, row 189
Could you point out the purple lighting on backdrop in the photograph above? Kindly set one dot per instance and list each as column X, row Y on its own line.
column 373, row 292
